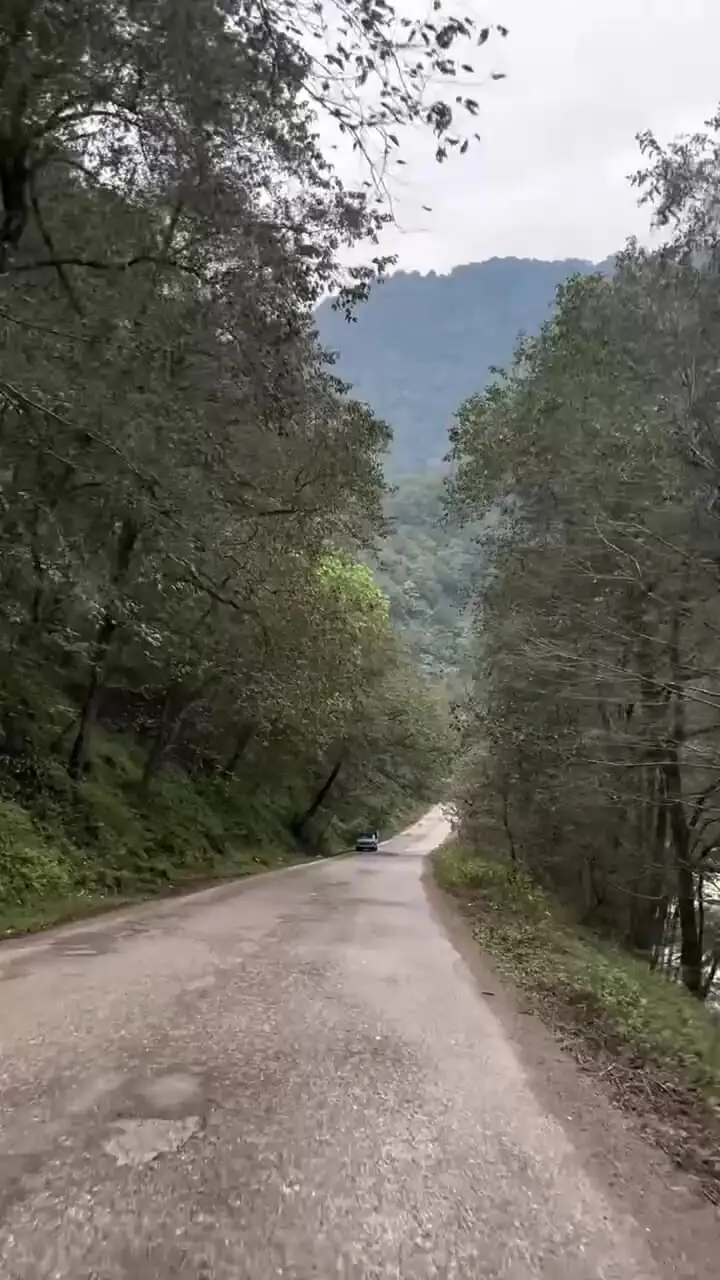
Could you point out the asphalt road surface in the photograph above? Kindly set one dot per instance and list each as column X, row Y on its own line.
column 292, row 1077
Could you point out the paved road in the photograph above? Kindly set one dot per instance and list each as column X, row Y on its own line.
column 295, row 1077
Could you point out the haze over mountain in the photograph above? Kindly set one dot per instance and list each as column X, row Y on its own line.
column 419, row 347
column 423, row 343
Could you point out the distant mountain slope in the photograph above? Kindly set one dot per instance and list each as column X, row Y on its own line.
column 422, row 344
column 429, row 572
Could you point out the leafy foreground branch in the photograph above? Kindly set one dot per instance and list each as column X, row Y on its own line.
column 653, row 1046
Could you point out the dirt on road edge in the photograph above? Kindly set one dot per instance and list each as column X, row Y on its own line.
column 613, row 1143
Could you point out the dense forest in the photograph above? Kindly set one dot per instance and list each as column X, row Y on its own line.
column 592, row 735
column 198, row 670
column 422, row 343
column 413, row 352
column 428, row 568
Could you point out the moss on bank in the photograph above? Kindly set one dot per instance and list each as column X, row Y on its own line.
column 85, row 847
column 74, row 849
column 657, row 1048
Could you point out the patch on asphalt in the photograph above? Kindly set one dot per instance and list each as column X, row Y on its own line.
column 168, row 1091
column 139, row 1142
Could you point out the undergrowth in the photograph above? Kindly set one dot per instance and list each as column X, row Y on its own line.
column 581, row 982
column 648, row 1044
column 72, row 849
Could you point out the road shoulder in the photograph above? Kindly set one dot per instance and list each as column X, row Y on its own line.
column 634, row 1174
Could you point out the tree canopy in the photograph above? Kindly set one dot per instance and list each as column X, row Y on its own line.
column 592, row 731
column 186, row 490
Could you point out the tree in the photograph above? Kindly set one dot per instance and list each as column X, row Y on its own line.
column 185, row 487
column 596, row 684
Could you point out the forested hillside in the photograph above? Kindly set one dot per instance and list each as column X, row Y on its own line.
column 429, row 568
column 413, row 352
column 594, row 726
column 422, row 343
column 198, row 673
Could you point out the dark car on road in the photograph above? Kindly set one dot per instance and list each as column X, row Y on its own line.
column 368, row 842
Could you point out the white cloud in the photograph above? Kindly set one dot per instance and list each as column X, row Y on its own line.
column 549, row 179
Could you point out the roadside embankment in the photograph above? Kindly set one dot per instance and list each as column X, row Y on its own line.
column 650, row 1044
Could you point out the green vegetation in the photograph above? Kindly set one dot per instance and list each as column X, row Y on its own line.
column 78, row 849
column 73, row 849
column 417, row 348
column 605, row 995
column 588, row 785
column 197, row 671
column 656, row 1048
column 428, row 571
column 592, row 731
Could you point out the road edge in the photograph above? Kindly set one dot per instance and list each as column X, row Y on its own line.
column 635, row 1175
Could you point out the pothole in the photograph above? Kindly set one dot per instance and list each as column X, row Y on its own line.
column 139, row 1142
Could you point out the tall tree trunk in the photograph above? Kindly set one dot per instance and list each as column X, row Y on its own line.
column 162, row 738
column 670, row 942
column 299, row 826
column 506, row 821
column 245, row 735
column 649, row 905
column 89, row 706
column 646, row 879
column 127, row 538
column 690, row 942
column 690, row 948
column 661, row 929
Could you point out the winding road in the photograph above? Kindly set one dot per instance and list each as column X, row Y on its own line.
column 297, row 1076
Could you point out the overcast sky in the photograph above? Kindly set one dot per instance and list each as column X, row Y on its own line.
column 549, row 179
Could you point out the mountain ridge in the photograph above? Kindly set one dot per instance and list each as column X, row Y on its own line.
column 423, row 343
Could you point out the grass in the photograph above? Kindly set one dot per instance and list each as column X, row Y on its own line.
column 79, row 849
column 70, row 850
column 657, row 1047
